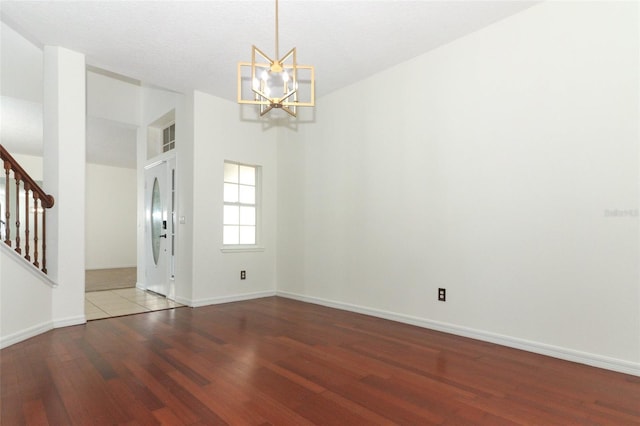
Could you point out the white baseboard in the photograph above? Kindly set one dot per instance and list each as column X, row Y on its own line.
column 226, row 299
column 593, row 360
column 69, row 321
column 183, row 301
column 23, row 335
column 99, row 268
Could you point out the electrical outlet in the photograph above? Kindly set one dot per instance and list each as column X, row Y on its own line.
column 442, row 294
column 243, row 275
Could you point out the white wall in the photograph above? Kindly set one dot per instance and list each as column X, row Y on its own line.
column 31, row 164
column 184, row 288
column 25, row 300
column 209, row 131
column 487, row 167
column 113, row 99
column 110, row 217
column 219, row 135
column 21, row 66
column 64, row 176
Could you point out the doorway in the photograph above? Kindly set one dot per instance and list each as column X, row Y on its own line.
column 160, row 227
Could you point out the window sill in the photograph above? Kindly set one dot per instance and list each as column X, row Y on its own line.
column 241, row 249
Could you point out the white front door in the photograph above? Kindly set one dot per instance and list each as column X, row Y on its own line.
column 157, row 233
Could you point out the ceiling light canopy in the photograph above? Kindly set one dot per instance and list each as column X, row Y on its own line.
column 276, row 83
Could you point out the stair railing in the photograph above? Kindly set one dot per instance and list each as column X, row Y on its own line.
column 24, row 185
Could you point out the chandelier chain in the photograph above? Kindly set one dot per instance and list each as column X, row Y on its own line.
column 277, row 51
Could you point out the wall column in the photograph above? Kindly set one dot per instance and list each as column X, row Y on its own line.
column 64, row 177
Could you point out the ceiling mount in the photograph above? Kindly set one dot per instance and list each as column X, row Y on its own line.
column 275, row 83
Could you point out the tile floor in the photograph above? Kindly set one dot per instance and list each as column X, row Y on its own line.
column 126, row 301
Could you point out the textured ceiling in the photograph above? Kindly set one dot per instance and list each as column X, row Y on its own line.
column 185, row 45
column 196, row 45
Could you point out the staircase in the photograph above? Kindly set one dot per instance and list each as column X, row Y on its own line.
column 26, row 305
column 23, row 224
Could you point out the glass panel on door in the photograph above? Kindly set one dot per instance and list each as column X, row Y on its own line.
column 156, row 220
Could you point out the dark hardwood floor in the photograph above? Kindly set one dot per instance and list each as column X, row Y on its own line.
column 281, row 362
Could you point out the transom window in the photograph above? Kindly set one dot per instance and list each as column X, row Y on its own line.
column 169, row 138
column 240, row 204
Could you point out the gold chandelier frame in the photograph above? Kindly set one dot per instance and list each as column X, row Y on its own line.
column 288, row 100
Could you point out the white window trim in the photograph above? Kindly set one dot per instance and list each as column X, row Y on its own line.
column 241, row 248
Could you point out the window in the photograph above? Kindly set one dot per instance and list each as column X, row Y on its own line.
column 169, row 138
column 240, row 214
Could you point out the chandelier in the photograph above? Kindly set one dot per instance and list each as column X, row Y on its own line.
column 275, row 83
